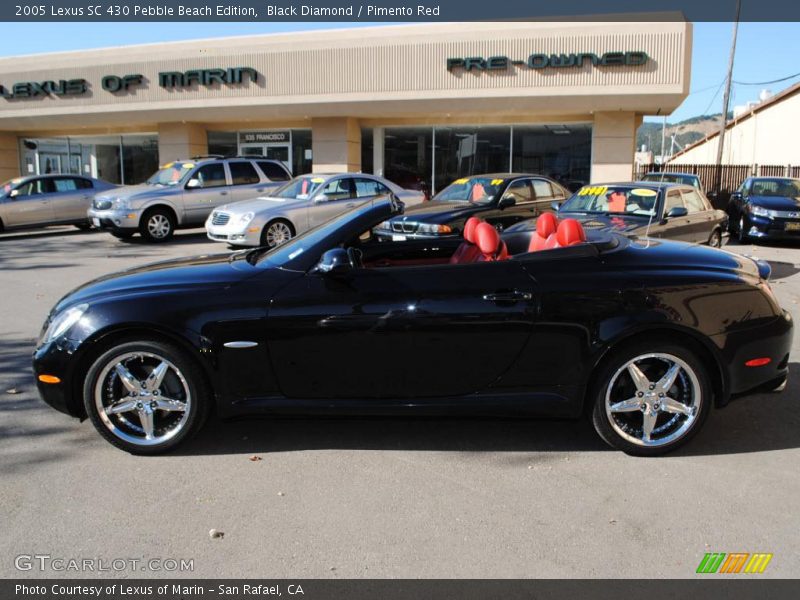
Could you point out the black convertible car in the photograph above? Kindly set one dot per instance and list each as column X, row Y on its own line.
column 645, row 336
column 666, row 210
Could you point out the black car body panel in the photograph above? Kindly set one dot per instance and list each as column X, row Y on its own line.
column 409, row 331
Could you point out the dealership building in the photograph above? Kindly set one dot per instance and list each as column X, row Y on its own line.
column 433, row 101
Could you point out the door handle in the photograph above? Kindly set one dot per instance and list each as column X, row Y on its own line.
column 508, row 297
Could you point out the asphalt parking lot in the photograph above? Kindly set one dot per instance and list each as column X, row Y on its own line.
column 370, row 498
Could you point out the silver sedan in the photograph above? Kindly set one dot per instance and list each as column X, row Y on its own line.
column 41, row 200
column 303, row 203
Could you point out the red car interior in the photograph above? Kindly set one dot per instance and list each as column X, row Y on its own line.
column 467, row 252
column 491, row 246
column 546, row 225
column 570, row 232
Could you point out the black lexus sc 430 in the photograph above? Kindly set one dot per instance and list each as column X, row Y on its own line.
column 642, row 335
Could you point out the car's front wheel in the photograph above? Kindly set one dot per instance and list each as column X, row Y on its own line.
column 715, row 240
column 145, row 397
column 157, row 225
column 651, row 397
column 277, row 232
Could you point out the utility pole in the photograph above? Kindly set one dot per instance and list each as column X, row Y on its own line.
column 663, row 138
column 726, row 98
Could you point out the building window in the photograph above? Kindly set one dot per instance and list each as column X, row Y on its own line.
column 561, row 152
column 223, row 143
column 464, row 151
column 407, row 156
column 124, row 160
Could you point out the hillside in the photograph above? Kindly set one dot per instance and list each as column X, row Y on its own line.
column 686, row 132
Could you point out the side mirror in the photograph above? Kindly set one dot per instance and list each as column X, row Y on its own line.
column 193, row 183
column 13, row 194
column 334, row 261
column 677, row 211
column 506, row 202
column 555, row 205
column 320, row 198
column 736, row 196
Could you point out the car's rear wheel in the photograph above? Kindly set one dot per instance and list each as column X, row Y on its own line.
column 715, row 240
column 145, row 397
column 651, row 397
column 277, row 232
column 157, row 225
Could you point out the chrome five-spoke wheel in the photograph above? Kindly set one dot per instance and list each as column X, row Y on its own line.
column 145, row 397
column 650, row 402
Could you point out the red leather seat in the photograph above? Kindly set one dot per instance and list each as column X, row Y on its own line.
column 467, row 252
column 570, row 232
column 491, row 246
column 546, row 225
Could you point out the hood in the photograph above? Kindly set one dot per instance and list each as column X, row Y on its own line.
column 200, row 272
column 258, row 205
column 133, row 192
column 776, row 202
column 442, row 212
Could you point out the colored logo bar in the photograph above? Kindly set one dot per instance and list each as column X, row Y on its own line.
column 734, row 562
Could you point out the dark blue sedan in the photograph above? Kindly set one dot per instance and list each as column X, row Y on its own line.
column 766, row 208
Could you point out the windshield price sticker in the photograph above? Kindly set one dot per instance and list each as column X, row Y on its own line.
column 593, row 190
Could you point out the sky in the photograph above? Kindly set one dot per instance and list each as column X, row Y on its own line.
column 764, row 51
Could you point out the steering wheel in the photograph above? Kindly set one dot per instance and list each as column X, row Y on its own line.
column 356, row 257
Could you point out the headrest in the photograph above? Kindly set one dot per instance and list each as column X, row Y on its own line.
column 487, row 238
column 469, row 229
column 570, row 232
column 546, row 225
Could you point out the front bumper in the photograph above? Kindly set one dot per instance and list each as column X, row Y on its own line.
column 235, row 234
column 771, row 340
column 114, row 218
column 773, row 228
column 56, row 358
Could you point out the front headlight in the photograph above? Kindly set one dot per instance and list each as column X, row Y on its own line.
column 246, row 218
column 434, row 228
column 63, row 321
column 122, row 203
column 760, row 211
column 385, row 226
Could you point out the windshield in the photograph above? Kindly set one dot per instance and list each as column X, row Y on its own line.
column 671, row 178
column 478, row 190
column 299, row 187
column 171, row 173
column 789, row 188
column 612, row 200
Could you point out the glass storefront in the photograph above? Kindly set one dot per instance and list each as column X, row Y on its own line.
column 125, row 160
column 292, row 147
column 439, row 155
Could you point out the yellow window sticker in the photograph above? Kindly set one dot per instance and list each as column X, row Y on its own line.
column 187, row 165
column 644, row 192
column 460, row 181
column 317, row 180
column 496, row 181
column 168, row 165
column 595, row 190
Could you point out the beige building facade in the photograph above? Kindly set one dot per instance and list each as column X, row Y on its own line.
column 432, row 102
column 766, row 134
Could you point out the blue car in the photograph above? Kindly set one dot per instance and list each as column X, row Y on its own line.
column 765, row 208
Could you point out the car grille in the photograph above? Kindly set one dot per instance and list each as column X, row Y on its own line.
column 785, row 214
column 102, row 204
column 219, row 218
column 404, row 226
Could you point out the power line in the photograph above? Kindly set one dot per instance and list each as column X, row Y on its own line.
column 766, row 82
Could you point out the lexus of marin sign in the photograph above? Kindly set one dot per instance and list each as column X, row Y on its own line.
column 544, row 61
column 114, row 83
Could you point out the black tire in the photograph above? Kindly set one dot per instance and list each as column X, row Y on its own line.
column 285, row 225
column 122, row 235
column 2, row 227
column 83, row 226
column 715, row 239
column 623, row 433
column 187, row 379
column 157, row 225
column 741, row 230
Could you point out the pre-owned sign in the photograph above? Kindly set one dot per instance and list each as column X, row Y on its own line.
column 544, row 61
